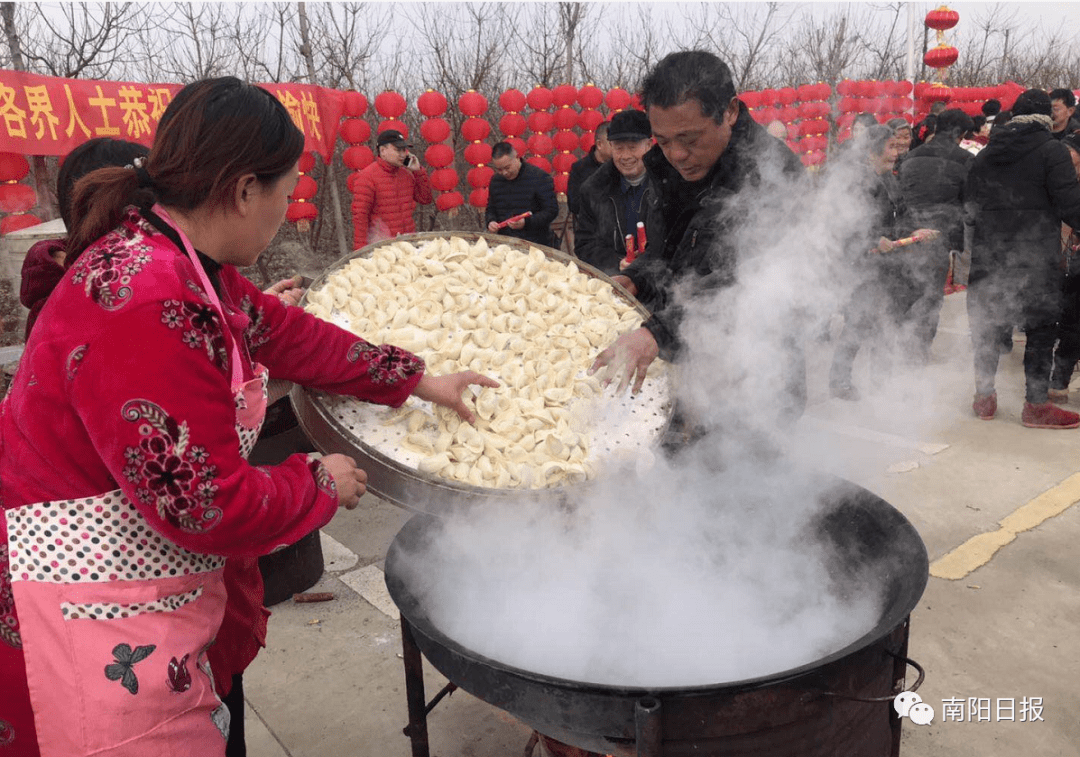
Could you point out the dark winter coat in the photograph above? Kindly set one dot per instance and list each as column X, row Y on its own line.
column 1070, row 126
column 691, row 227
column 932, row 180
column 582, row 169
column 531, row 190
column 601, row 225
column 1020, row 189
column 40, row 275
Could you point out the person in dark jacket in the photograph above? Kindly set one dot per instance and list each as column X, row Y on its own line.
column 1067, row 353
column 599, row 154
column 932, row 180
column 886, row 282
column 519, row 187
column 1020, row 189
column 708, row 150
column 615, row 198
column 1063, row 108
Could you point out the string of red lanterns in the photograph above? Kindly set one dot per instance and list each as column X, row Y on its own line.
column 355, row 132
column 473, row 105
column 302, row 211
column 16, row 199
column 938, row 58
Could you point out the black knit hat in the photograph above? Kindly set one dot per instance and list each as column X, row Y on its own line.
column 1032, row 102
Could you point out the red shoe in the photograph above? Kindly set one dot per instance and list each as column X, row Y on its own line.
column 1048, row 415
column 985, row 405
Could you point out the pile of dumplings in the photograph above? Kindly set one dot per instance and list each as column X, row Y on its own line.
column 534, row 324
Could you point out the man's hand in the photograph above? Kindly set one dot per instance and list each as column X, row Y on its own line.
column 625, row 283
column 493, row 227
column 350, row 481
column 627, row 359
column 447, row 390
column 288, row 291
column 517, row 225
column 412, row 162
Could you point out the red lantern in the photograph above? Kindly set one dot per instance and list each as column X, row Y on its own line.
column 541, row 121
column 590, row 119
column 307, row 162
column 512, row 125
column 542, row 163
column 18, row 221
column 475, row 129
column 635, row 102
column 540, row 144
column 478, row 198
column 449, row 201
column 305, row 189
column 941, row 56
column 789, row 113
column 355, row 104
column 813, row 159
column 301, row 211
column 758, row 116
column 941, row 19
column 17, row 198
column 588, row 139
column 590, row 96
column 561, row 181
column 431, row 104
column 939, row 94
column 393, row 123
column 565, row 141
column 750, row 99
column 478, row 153
column 565, row 118
column 845, row 88
column 355, row 131
column 439, row 155
column 617, row 99
column 903, row 88
column 13, row 167
column 444, row 179
column 512, row 101
column 479, row 176
column 813, row 127
column 390, row 104
column 357, row 157
column 472, row 103
column 564, row 161
column 786, row 96
column 435, row 130
column 540, row 98
column 564, row 95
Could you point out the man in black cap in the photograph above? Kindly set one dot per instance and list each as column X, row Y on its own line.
column 708, row 150
column 518, row 188
column 614, row 200
column 1020, row 189
column 386, row 193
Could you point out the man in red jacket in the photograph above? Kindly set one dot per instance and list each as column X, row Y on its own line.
column 387, row 191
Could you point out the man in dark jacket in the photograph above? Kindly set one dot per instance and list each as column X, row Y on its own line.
column 708, row 150
column 583, row 168
column 1020, row 189
column 615, row 198
column 932, row 180
column 519, row 187
column 1063, row 106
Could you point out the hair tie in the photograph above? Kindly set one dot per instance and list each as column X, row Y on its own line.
column 139, row 166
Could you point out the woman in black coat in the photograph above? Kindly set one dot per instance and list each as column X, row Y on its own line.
column 1020, row 189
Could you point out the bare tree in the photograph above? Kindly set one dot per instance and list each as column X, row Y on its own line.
column 826, row 49
column 83, row 40
column 745, row 36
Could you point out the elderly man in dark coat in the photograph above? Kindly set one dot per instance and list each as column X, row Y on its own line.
column 1020, row 189
column 615, row 199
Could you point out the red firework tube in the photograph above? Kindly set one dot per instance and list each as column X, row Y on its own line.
column 631, row 253
column 518, row 217
column 913, row 239
column 640, row 237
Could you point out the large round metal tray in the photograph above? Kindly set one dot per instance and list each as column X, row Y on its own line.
column 337, row 424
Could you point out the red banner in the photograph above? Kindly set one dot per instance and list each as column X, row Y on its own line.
column 45, row 115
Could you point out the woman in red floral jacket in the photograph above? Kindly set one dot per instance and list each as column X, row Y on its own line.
column 128, row 504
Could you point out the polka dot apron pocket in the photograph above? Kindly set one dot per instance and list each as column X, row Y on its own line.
column 115, row 623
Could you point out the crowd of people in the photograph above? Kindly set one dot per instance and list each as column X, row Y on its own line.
column 143, row 381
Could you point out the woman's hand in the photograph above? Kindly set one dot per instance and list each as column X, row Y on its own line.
column 350, row 481
column 288, row 291
column 627, row 359
column 447, row 390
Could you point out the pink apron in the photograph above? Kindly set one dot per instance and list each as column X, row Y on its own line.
column 116, row 620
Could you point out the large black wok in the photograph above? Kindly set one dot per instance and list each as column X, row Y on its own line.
column 837, row 705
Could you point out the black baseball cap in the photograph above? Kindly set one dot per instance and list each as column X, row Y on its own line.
column 391, row 136
column 629, row 124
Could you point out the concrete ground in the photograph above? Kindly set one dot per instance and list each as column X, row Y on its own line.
column 995, row 630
